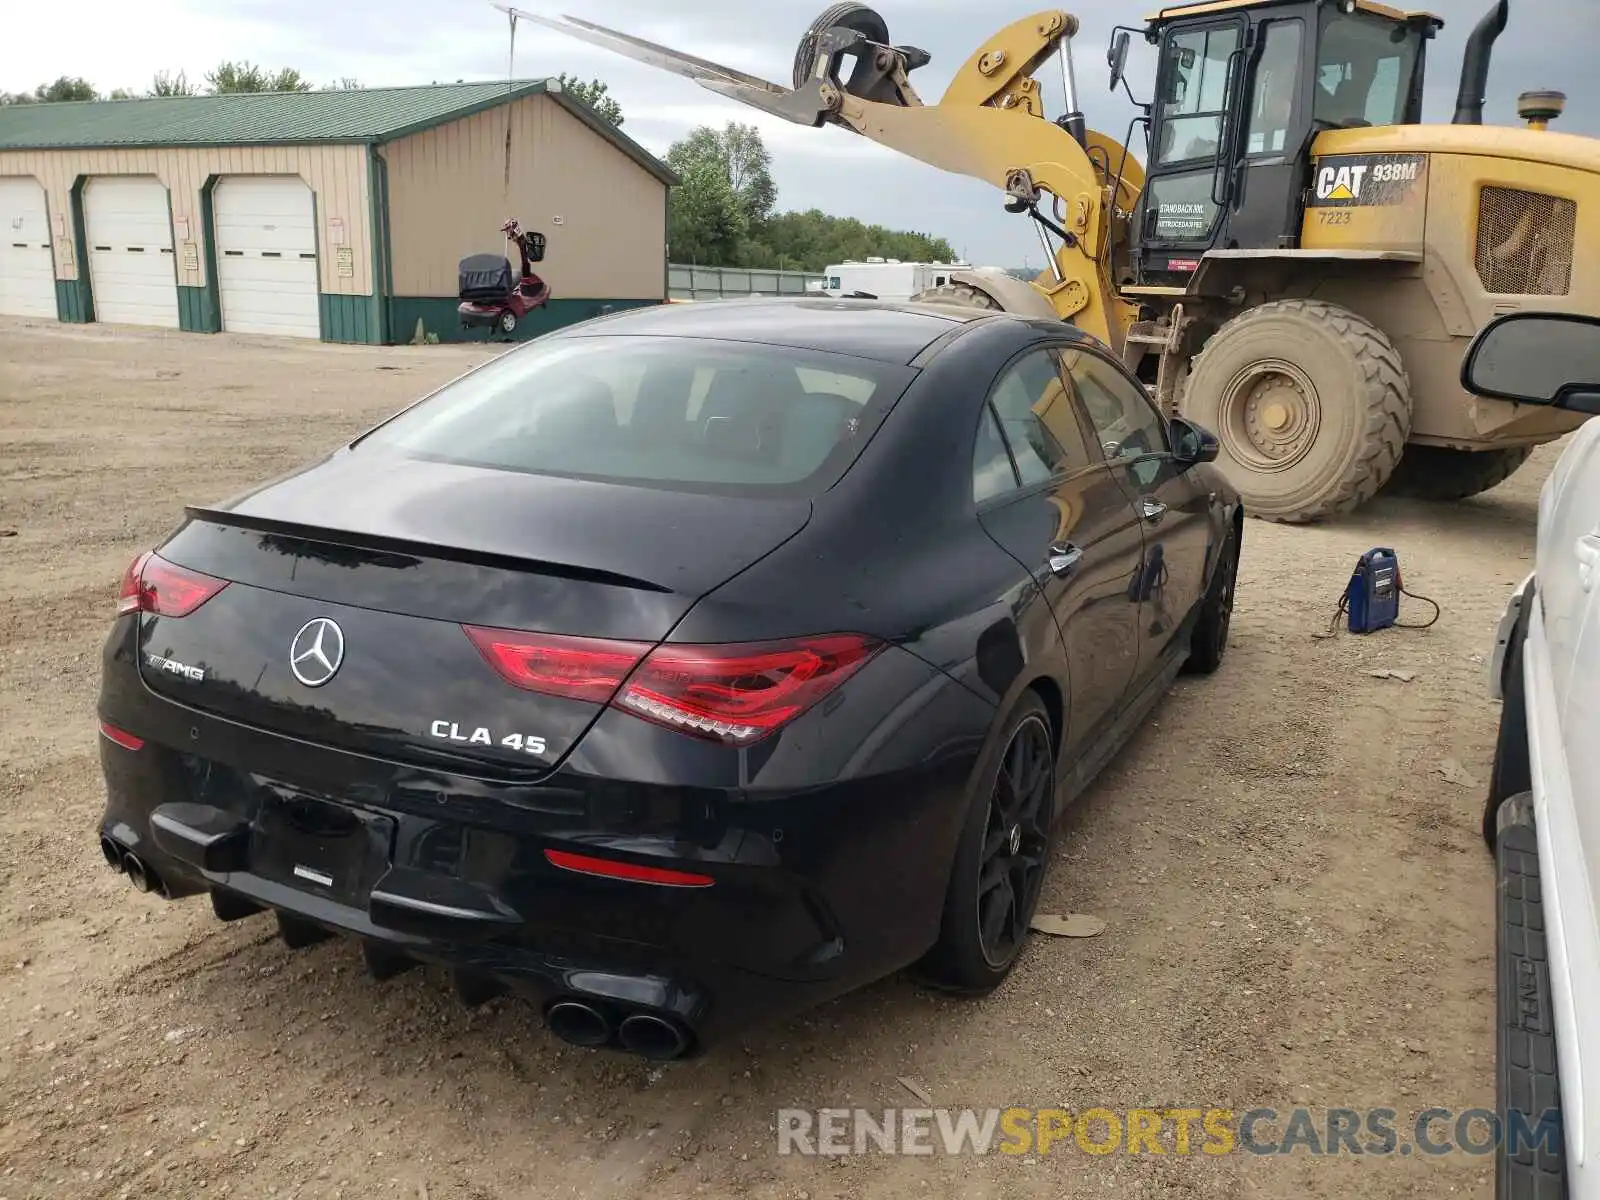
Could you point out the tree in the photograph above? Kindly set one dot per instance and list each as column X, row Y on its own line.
column 811, row 240
column 231, row 77
column 171, row 85
column 121, row 94
column 346, row 84
column 722, row 213
column 595, row 94
column 738, row 154
column 64, row 88
column 707, row 222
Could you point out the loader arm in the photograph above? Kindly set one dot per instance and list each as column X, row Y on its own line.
column 989, row 125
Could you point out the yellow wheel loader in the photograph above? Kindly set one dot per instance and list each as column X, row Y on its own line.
column 1298, row 263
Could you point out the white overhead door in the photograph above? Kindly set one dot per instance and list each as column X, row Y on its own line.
column 27, row 271
column 131, row 267
column 267, row 255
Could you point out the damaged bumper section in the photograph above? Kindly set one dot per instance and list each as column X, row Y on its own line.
column 651, row 921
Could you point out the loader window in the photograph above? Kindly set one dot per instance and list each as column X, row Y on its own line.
column 1194, row 86
column 1276, row 85
column 1365, row 67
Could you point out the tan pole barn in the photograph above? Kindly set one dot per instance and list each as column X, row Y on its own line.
column 333, row 214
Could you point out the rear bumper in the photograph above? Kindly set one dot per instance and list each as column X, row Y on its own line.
column 815, row 890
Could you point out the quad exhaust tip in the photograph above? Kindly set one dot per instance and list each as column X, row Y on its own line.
column 112, row 852
column 578, row 1023
column 652, row 1037
column 142, row 876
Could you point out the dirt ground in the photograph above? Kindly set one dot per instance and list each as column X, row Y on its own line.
column 1299, row 908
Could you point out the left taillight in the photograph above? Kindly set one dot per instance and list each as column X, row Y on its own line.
column 737, row 693
column 152, row 584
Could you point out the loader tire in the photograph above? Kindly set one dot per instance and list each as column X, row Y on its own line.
column 858, row 17
column 961, row 295
column 1440, row 474
column 1311, row 404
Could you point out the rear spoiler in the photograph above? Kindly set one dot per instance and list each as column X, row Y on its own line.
column 372, row 547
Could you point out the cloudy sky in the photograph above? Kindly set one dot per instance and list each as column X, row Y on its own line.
column 123, row 43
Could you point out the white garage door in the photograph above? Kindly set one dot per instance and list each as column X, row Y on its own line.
column 27, row 271
column 131, row 264
column 267, row 255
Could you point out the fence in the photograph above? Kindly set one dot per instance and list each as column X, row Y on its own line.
column 685, row 282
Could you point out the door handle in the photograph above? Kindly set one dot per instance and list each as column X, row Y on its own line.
column 1588, row 549
column 1063, row 557
column 1152, row 511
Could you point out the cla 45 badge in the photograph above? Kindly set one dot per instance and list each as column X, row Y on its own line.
column 450, row 731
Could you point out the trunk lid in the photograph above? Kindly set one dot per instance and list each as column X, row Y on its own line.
column 366, row 568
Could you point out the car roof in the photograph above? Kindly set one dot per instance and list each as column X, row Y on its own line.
column 886, row 330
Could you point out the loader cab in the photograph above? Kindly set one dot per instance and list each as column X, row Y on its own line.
column 1242, row 90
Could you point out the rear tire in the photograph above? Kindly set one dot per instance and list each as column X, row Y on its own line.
column 1001, row 860
column 1210, row 640
column 1440, row 474
column 858, row 17
column 1300, row 442
column 507, row 324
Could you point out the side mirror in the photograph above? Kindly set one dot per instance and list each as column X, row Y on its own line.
column 1537, row 358
column 1192, row 443
column 1117, row 58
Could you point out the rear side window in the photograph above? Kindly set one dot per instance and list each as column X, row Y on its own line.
column 1037, row 416
column 992, row 472
column 689, row 413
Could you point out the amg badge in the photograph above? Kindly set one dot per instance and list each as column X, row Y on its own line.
column 450, row 731
column 173, row 667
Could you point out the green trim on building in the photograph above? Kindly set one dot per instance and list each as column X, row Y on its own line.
column 70, row 302
column 378, row 230
column 207, row 305
column 196, row 313
column 348, row 318
column 75, row 297
column 438, row 316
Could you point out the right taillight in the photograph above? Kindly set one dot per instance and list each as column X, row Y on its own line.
column 736, row 693
column 741, row 693
column 152, row 584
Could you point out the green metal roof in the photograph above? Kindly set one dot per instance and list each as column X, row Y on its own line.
column 369, row 115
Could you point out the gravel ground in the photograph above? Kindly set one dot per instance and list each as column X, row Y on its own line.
column 1299, row 909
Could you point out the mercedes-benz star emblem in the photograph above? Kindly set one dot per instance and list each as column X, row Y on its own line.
column 317, row 651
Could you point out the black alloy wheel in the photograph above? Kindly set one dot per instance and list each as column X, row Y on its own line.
column 1016, row 843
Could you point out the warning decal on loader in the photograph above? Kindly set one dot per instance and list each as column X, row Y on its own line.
column 1367, row 180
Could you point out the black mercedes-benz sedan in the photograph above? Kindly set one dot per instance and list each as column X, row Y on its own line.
column 679, row 669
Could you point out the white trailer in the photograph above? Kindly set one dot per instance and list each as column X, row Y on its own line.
column 886, row 278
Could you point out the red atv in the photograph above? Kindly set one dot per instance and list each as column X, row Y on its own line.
column 488, row 296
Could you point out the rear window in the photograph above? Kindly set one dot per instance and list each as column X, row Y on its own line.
column 686, row 413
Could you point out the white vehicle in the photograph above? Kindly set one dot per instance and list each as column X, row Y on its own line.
column 1543, row 812
column 887, row 278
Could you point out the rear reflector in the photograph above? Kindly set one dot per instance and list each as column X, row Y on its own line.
column 121, row 737
column 154, row 585
column 574, row 667
column 610, row 868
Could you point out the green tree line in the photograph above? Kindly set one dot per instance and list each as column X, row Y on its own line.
column 228, row 77
column 724, row 214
